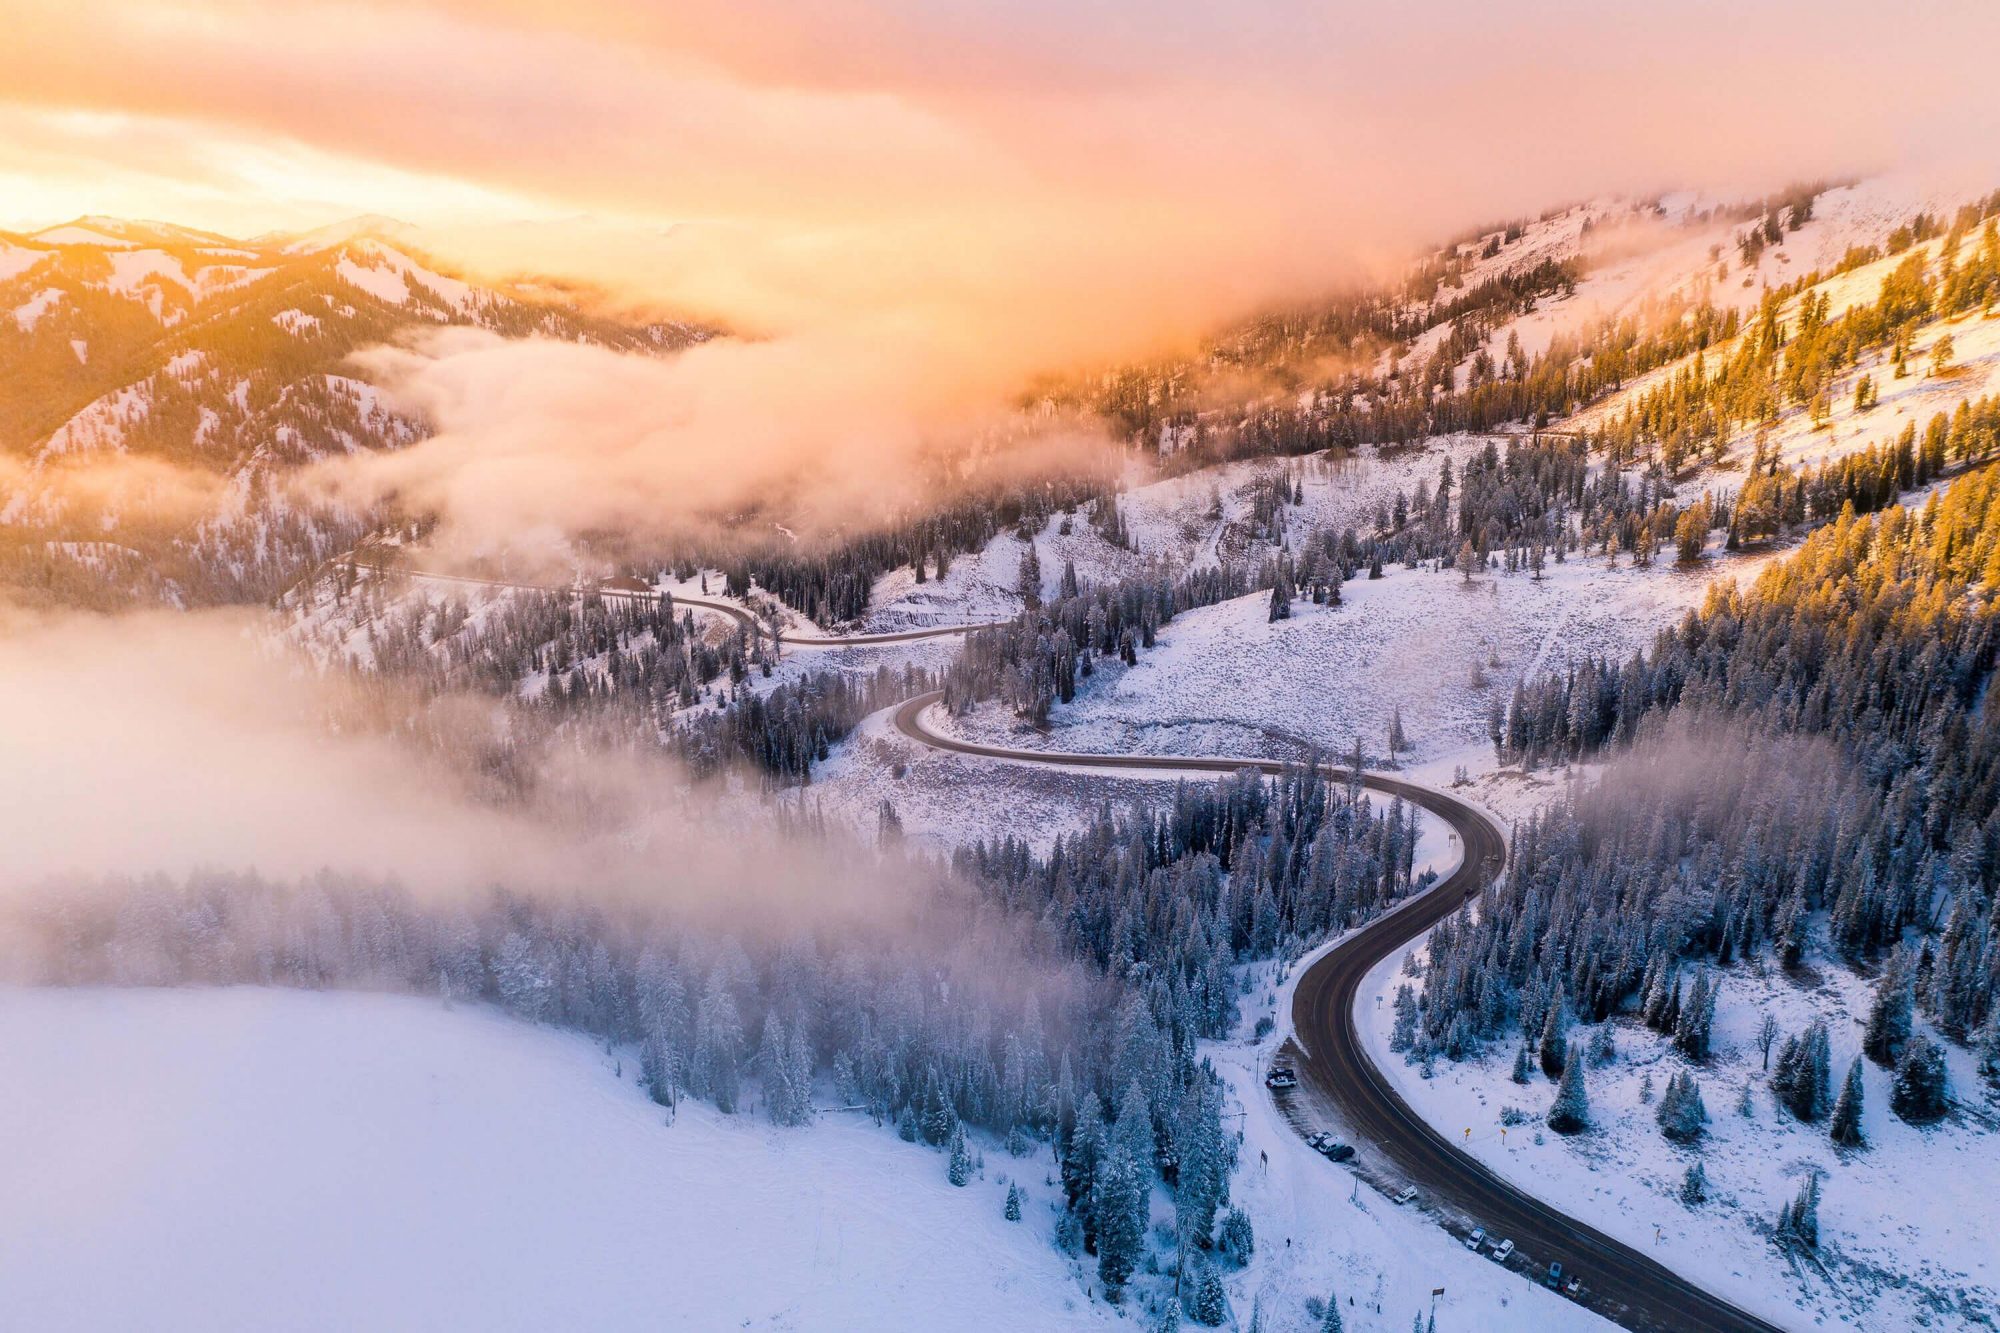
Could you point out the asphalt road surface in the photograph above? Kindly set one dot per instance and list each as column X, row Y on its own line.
column 1335, row 1073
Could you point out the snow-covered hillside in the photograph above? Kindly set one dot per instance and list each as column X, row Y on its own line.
column 1906, row 1241
column 254, row 1159
column 221, row 366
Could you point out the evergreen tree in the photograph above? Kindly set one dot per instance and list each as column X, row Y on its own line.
column 1123, row 1188
column 1798, row 1221
column 1029, row 580
column 1846, row 1127
column 960, row 1169
column 1570, row 1112
column 1083, row 1163
column 1682, row 1117
column 1921, row 1093
column 1237, row 1241
column 1890, row 1014
column 1521, row 1065
column 1555, row 1037
column 1697, row 1020
column 1403, row 1035
column 1281, row 603
column 1694, row 1186
column 1330, row 1323
column 1012, row 1210
column 1206, row 1302
column 1802, row 1081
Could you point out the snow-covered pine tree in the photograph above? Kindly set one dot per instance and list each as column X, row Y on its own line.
column 1697, row 1020
column 1237, row 1240
column 1921, row 1093
column 1570, row 1112
column 1201, row 1181
column 1890, row 1015
column 1682, row 1117
column 1521, row 1063
column 1555, row 1037
column 1206, row 1301
column 959, row 1172
column 1123, row 1187
column 1846, row 1127
column 1802, row 1081
column 772, row 1070
column 1012, row 1210
column 1603, row 1045
column 1029, row 580
column 1403, row 1035
column 1694, row 1186
column 1082, row 1163
column 1798, row 1221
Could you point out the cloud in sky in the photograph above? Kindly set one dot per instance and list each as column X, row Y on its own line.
column 926, row 201
column 1179, row 156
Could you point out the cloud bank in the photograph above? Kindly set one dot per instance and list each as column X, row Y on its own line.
column 902, row 190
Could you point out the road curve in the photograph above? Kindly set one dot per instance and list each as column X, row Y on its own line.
column 741, row 615
column 1622, row 1284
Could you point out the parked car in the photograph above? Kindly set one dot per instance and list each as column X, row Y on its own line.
column 1573, row 1288
column 1503, row 1252
column 1318, row 1142
column 1406, row 1194
column 1336, row 1151
column 1554, row 1280
column 1281, row 1077
column 1476, row 1239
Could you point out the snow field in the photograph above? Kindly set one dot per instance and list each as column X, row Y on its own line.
column 253, row 1159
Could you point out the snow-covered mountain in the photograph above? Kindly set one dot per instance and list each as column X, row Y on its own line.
column 226, row 360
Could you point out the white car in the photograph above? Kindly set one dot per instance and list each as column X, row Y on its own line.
column 1503, row 1251
column 1407, row 1193
column 1476, row 1239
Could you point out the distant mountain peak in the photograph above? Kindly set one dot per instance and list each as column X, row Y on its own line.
column 365, row 226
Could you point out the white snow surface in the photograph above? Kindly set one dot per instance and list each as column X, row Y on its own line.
column 18, row 259
column 1226, row 679
column 382, row 283
column 1906, row 1224
column 29, row 313
column 341, row 1161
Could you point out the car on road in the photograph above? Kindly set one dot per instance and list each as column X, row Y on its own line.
column 1406, row 1194
column 1281, row 1077
column 1503, row 1252
column 1554, row 1280
column 1573, row 1288
column 1329, row 1147
column 1476, row 1240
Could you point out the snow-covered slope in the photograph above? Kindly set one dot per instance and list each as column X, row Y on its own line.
column 1906, row 1234
column 252, row 1159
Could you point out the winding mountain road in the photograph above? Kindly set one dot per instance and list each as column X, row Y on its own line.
column 618, row 589
column 1336, row 1075
column 1337, row 1080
